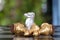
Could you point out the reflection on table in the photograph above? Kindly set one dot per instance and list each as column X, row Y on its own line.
column 34, row 38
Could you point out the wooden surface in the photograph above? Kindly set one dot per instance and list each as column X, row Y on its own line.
column 5, row 34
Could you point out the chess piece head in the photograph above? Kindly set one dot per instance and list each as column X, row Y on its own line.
column 29, row 15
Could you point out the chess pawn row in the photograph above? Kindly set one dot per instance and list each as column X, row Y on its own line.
column 35, row 30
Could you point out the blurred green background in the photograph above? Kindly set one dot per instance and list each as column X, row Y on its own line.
column 14, row 10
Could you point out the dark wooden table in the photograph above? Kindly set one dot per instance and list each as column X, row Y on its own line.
column 5, row 34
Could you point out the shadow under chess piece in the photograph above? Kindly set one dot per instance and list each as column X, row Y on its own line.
column 46, row 29
column 35, row 30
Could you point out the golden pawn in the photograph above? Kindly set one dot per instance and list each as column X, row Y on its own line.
column 19, row 28
column 34, row 29
column 26, row 33
column 46, row 29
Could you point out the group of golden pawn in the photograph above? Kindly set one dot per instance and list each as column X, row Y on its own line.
column 35, row 30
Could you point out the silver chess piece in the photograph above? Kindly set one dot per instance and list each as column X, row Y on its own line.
column 29, row 19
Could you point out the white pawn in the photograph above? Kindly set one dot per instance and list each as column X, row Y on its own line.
column 29, row 19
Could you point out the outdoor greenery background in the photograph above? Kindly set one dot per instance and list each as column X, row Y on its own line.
column 14, row 10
